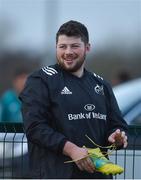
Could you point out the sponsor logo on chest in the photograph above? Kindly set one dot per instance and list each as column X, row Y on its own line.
column 89, row 115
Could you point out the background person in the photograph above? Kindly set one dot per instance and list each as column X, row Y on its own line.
column 10, row 103
column 121, row 77
column 64, row 102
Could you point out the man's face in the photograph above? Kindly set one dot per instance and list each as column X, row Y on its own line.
column 71, row 52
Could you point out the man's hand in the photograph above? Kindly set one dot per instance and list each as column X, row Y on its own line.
column 119, row 138
column 81, row 155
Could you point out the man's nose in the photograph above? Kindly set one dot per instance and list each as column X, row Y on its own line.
column 68, row 50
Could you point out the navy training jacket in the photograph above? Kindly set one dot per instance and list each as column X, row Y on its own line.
column 58, row 106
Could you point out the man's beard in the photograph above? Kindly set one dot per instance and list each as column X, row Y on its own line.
column 74, row 68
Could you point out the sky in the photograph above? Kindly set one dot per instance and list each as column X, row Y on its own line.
column 32, row 24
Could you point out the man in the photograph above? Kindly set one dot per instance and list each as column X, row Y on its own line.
column 64, row 102
column 10, row 103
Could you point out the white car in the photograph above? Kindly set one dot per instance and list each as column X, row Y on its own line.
column 128, row 96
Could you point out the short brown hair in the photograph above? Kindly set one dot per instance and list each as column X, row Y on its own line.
column 73, row 28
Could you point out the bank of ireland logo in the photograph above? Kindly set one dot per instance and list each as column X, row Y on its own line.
column 99, row 89
column 90, row 114
column 89, row 107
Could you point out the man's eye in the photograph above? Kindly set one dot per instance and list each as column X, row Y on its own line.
column 62, row 47
column 75, row 46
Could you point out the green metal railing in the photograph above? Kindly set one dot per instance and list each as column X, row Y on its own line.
column 14, row 153
column 130, row 158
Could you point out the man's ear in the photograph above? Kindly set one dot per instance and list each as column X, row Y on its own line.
column 88, row 47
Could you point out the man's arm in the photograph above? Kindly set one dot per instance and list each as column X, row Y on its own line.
column 117, row 126
column 35, row 110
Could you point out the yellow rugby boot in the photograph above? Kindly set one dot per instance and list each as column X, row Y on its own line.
column 102, row 164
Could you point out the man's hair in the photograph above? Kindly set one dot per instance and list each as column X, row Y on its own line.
column 73, row 28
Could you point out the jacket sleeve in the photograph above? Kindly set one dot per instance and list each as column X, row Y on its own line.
column 115, row 119
column 35, row 111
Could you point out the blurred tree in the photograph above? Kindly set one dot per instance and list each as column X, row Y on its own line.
column 10, row 61
column 108, row 62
